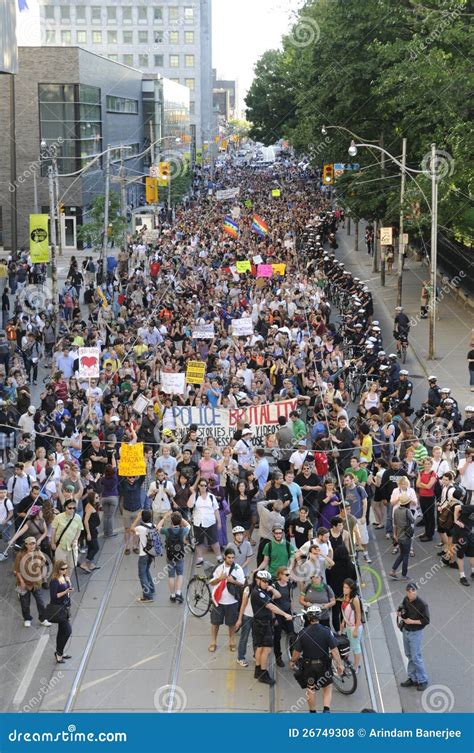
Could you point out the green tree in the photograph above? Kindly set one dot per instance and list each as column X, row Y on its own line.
column 92, row 232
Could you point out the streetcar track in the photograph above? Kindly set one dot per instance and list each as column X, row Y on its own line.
column 176, row 661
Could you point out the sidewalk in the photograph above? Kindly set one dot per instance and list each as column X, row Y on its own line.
column 453, row 325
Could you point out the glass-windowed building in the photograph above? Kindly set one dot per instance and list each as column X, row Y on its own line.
column 166, row 116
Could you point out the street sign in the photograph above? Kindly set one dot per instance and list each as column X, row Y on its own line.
column 386, row 236
column 154, row 171
column 405, row 239
column 338, row 169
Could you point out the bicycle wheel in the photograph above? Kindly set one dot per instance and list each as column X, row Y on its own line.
column 404, row 353
column 198, row 596
column 347, row 682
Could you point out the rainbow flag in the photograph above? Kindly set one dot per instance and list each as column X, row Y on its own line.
column 231, row 227
column 259, row 226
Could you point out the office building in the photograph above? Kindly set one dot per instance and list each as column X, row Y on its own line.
column 173, row 40
column 228, row 106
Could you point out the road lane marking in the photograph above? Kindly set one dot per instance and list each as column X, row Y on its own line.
column 30, row 670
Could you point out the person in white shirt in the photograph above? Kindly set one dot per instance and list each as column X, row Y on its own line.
column 18, row 485
column 298, row 457
column 225, row 605
column 162, row 494
column 206, row 521
column 244, row 451
column 26, row 421
column 466, row 471
column 6, row 520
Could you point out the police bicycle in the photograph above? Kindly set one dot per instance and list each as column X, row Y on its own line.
column 345, row 683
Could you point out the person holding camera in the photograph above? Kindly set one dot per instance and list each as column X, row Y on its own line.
column 413, row 615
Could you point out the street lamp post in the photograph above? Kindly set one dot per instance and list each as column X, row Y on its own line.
column 434, row 229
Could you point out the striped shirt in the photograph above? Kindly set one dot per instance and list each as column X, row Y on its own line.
column 420, row 454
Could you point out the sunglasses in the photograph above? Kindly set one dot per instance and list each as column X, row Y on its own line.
column 70, row 508
column 63, row 568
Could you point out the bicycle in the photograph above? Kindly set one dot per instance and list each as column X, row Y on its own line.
column 346, row 683
column 402, row 348
column 198, row 591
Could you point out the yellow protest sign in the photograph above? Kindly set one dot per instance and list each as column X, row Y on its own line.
column 132, row 460
column 151, row 190
column 243, row 266
column 195, row 371
column 276, row 193
column 278, row 269
column 39, row 240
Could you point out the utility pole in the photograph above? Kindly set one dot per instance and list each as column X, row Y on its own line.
column 14, row 209
column 123, row 194
column 52, row 224
column 434, row 255
column 400, row 237
column 35, row 192
column 356, row 234
column 103, row 254
column 58, row 208
column 375, row 261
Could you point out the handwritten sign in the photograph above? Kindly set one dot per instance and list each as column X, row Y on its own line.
column 264, row 270
column 203, row 332
column 173, row 383
column 242, row 327
column 386, row 236
column 257, row 259
column 276, row 193
column 227, row 193
column 89, row 363
column 195, row 371
column 279, row 269
column 140, row 404
column 132, row 460
column 243, row 266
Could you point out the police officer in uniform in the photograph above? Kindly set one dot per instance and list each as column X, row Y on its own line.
column 261, row 599
column 317, row 646
column 434, row 396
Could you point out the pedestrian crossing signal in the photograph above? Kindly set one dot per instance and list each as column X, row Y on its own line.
column 328, row 174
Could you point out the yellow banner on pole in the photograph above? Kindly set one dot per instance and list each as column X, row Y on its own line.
column 195, row 371
column 132, row 460
column 151, row 190
column 39, row 239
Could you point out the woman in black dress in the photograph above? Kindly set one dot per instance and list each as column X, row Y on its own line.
column 91, row 520
column 343, row 568
column 240, row 498
column 60, row 590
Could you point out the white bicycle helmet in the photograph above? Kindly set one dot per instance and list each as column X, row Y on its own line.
column 238, row 529
column 314, row 609
column 264, row 575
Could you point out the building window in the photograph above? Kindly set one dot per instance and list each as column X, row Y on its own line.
column 65, row 13
column 158, row 37
column 80, row 13
column 159, row 62
column 192, row 108
column 189, row 61
column 127, row 60
column 189, row 37
column 111, row 14
column 142, row 37
column 189, row 15
column 143, row 61
column 112, row 37
column 173, row 37
column 158, row 13
column 127, row 37
column 127, row 14
column 174, row 13
column 122, row 104
column 142, row 14
column 96, row 14
column 50, row 36
column 130, row 151
column 113, row 58
column 66, row 37
column 49, row 12
column 175, row 80
column 190, row 83
column 81, row 37
column 96, row 37
column 174, row 61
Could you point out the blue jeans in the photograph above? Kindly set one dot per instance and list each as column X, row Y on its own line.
column 404, row 556
column 245, row 631
column 146, row 581
column 412, row 647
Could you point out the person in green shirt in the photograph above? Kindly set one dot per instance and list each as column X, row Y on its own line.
column 358, row 470
column 277, row 553
column 298, row 427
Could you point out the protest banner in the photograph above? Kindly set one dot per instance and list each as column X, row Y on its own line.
column 236, row 212
column 227, row 193
column 242, row 327
column 39, row 238
column 195, row 371
column 243, row 266
column 132, row 460
column 89, row 363
column 279, row 269
column 257, row 259
column 221, row 423
column 203, row 332
column 264, row 270
column 173, row 383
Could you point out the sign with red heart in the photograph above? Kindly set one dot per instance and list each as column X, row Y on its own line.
column 89, row 363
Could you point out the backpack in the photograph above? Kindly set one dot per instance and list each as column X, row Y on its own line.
column 319, row 430
column 322, row 463
column 446, row 516
column 153, row 543
column 174, row 545
column 288, row 551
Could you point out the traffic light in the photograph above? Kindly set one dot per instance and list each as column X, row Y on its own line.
column 328, row 174
column 61, row 208
column 165, row 169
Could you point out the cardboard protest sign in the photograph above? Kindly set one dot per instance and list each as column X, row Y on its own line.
column 195, row 371
column 264, row 270
column 89, row 363
column 173, row 383
column 243, row 266
column 132, row 460
column 242, row 327
column 203, row 332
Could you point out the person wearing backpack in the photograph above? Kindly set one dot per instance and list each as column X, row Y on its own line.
column 175, row 530
column 277, row 553
column 318, row 592
column 403, row 528
column 143, row 528
column 463, row 533
column 351, row 622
